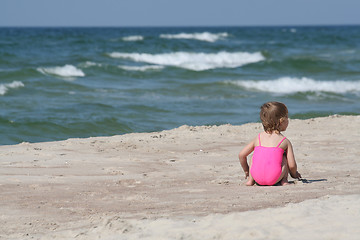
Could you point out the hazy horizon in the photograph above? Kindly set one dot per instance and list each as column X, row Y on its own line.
column 162, row 13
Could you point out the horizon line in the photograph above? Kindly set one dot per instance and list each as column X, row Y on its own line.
column 177, row 26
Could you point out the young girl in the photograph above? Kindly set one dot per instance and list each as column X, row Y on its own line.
column 273, row 157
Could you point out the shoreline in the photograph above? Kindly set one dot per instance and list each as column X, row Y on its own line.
column 62, row 189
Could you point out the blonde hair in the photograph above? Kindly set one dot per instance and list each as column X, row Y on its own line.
column 271, row 113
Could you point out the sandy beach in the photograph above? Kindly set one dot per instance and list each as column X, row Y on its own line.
column 184, row 183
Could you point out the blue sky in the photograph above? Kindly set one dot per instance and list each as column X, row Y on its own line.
column 178, row 13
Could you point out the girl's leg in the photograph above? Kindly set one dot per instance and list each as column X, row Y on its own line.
column 251, row 180
column 283, row 179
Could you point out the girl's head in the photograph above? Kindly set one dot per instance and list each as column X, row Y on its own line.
column 274, row 117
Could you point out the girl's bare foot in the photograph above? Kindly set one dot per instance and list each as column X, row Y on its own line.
column 251, row 182
column 284, row 182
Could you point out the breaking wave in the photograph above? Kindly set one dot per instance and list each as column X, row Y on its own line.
column 133, row 38
column 194, row 61
column 286, row 85
column 4, row 88
column 142, row 68
column 205, row 36
column 65, row 71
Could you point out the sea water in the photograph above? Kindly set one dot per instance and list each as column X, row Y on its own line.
column 59, row 83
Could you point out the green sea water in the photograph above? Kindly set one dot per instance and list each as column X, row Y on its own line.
column 59, row 83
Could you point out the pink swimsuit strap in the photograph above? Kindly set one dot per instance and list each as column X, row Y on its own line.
column 276, row 146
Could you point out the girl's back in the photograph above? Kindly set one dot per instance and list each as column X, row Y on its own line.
column 268, row 156
column 270, row 140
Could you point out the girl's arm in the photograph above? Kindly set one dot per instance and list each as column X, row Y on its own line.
column 243, row 156
column 291, row 161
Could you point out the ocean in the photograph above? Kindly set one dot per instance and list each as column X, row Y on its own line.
column 60, row 83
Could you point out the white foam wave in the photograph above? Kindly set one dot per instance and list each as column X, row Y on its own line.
column 292, row 30
column 65, row 71
column 194, row 61
column 293, row 85
column 4, row 88
column 88, row 64
column 142, row 68
column 205, row 36
column 133, row 38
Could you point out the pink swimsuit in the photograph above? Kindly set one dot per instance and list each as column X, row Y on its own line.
column 266, row 164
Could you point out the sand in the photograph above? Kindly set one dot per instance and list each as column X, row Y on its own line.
column 184, row 183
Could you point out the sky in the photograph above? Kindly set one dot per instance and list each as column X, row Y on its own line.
column 129, row 13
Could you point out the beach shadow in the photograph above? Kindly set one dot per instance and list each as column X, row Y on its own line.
column 304, row 180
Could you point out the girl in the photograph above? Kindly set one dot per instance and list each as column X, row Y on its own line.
column 273, row 157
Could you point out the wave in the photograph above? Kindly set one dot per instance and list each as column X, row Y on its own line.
column 205, row 36
column 4, row 88
column 142, row 68
column 88, row 64
column 194, row 61
column 288, row 85
column 292, row 30
column 65, row 71
column 133, row 38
